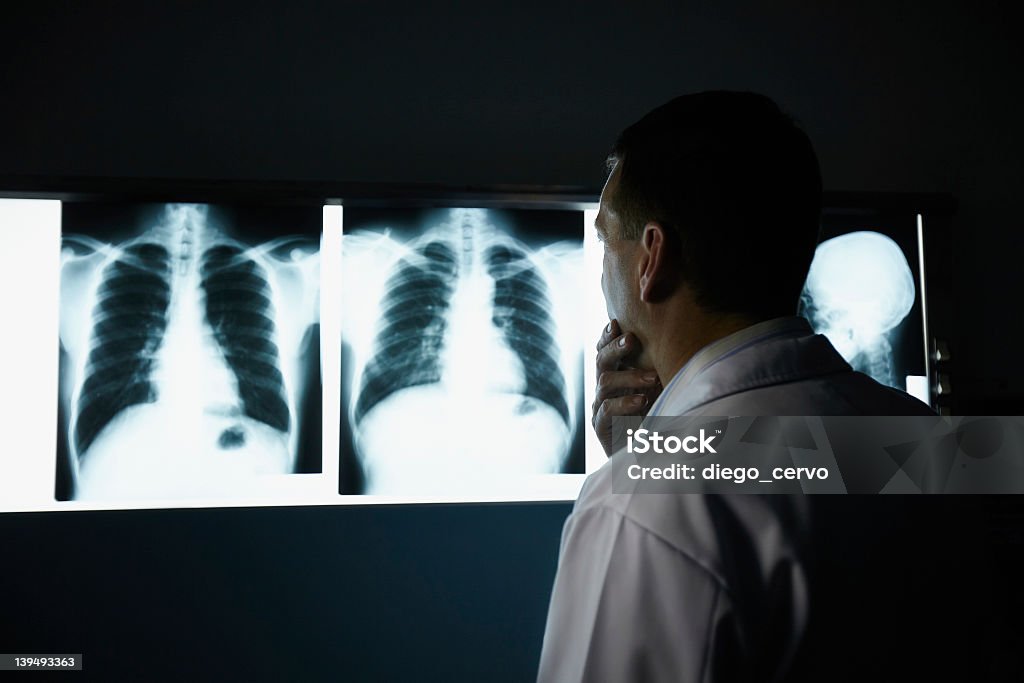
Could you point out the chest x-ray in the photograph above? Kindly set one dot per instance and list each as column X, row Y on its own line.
column 859, row 291
column 461, row 348
column 189, row 353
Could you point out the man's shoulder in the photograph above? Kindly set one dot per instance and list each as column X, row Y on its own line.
column 788, row 375
column 841, row 393
column 872, row 397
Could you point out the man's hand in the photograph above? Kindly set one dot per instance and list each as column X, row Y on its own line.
column 621, row 390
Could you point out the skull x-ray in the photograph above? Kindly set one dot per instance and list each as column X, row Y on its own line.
column 860, row 292
column 462, row 356
column 189, row 348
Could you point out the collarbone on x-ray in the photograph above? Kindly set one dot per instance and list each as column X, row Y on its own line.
column 466, row 363
column 185, row 346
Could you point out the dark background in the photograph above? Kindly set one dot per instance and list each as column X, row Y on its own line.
column 896, row 96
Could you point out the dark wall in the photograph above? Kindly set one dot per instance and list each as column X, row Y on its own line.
column 389, row 593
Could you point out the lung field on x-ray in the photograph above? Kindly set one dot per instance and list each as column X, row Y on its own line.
column 461, row 356
column 240, row 309
column 522, row 312
column 413, row 324
column 130, row 318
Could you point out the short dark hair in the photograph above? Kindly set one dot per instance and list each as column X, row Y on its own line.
column 737, row 182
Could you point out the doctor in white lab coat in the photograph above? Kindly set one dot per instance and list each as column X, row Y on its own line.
column 709, row 221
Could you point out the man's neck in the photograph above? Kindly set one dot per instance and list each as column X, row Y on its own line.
column 681, row 339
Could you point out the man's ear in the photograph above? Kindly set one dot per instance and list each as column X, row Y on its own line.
column 655, row 263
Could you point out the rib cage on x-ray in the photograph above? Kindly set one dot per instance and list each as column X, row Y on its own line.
column 466, row 338
column 240, row 310
column 412, row 325
column 186, row 352
column 413, row 322
column 130, row 319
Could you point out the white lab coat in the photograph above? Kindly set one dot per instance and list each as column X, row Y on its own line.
column 691, row 587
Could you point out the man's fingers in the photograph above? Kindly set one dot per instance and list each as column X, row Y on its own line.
column 611, row 354
column 610, row 331
column 622, row 406
column 620, row 392
column 612, row 383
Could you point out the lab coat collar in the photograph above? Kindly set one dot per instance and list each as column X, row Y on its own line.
column 774, row 352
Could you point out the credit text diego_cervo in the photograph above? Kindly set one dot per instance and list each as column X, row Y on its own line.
column 716, row 472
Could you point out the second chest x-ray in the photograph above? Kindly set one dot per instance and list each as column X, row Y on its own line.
column 462, row 356
column 189, row 348
column 862, row 292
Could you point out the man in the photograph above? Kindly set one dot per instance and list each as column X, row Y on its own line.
column 709, row 221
